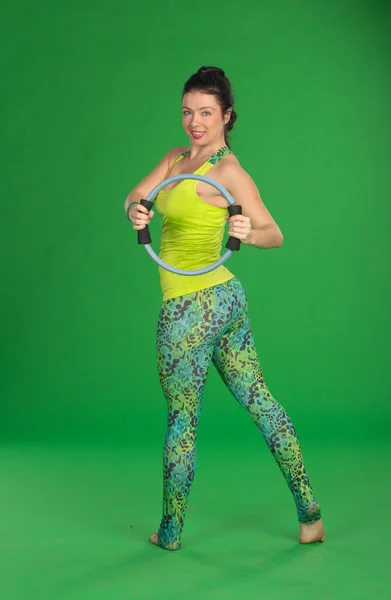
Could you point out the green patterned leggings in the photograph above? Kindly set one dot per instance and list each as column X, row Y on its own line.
column 193, row 330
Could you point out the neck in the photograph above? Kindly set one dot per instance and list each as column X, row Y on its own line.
column 200, row 152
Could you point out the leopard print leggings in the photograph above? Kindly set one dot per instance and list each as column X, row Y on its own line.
column 193, row 330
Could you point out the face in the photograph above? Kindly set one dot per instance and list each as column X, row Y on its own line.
column 202, row 118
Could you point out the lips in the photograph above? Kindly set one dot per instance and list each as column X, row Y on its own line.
column 197, row 135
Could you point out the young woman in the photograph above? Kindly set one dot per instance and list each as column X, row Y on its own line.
column 204, row 318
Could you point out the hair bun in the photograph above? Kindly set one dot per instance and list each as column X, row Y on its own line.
column 232, row 120
column 212, row 71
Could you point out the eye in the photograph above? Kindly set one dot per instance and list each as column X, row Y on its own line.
column 185, row 113
column 206, row 113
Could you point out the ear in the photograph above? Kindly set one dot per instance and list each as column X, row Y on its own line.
column 227, row 116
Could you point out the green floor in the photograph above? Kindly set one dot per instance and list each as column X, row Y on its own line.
column 75, row 524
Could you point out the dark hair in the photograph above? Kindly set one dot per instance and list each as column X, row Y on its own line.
column 212, row 80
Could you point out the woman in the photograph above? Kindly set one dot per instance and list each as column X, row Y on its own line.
column 204, row 318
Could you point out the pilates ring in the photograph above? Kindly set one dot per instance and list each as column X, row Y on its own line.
column 144, row 237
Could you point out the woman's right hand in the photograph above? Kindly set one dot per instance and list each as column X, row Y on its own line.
column 140, row 216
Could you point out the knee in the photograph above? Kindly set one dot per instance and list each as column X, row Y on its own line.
column 180, row 456
column 180, row 440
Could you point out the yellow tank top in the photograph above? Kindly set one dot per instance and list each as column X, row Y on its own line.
column 192, row 234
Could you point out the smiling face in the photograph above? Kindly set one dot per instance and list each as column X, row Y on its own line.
column 202, row 118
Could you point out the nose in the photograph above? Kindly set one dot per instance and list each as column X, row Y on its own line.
column 194, row 122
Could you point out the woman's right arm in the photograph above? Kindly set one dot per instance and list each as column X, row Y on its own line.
column 138, row 214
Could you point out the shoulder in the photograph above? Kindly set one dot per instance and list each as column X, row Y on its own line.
column 227, row 164
column 230, row 168
column 231, row 160
column 175, row 153
column 233, row 176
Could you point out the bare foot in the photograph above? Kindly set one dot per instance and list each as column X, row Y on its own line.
column 311, row 532
column 154, row 539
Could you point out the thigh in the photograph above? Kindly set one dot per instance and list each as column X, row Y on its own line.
column 237, row 362
column 184, row 352
column 236, row 359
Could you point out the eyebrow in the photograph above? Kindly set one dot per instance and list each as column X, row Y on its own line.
column 202, row 107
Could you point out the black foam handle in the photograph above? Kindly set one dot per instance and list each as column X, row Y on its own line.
column 143, row 235
column 234, row 243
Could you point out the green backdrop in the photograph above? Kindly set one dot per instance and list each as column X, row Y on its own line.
column 91, row 101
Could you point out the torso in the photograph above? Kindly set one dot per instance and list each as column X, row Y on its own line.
column 194, row 218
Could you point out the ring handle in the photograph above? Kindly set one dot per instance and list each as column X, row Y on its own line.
column 233, row 243
column 143, row 235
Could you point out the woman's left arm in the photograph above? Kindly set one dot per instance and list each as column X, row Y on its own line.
column 255, row 227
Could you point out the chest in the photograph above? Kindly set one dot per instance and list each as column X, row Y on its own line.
column 182, row 205
column 199, row 189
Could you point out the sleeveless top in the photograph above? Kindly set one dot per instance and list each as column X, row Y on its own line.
column 192, row 234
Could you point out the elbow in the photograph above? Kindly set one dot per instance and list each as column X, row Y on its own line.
column 267, row 238
column 126, row 203
column 275, row 237
column 278, row 238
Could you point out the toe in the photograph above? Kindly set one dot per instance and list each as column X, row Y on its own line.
column 154, row 539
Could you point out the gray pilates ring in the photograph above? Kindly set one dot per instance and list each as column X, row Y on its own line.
column 152, row 195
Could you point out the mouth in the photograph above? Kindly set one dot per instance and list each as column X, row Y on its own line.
column 197, row 135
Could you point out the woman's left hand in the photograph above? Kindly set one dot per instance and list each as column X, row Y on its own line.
column 239, row 227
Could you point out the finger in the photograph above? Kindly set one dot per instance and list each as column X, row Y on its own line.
column 239, row 228
column 239, row 219
column 151, row 214
column 138, row 227
column 241, row 232
column 141, row 209
column 239, row 236
column 235, row 219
